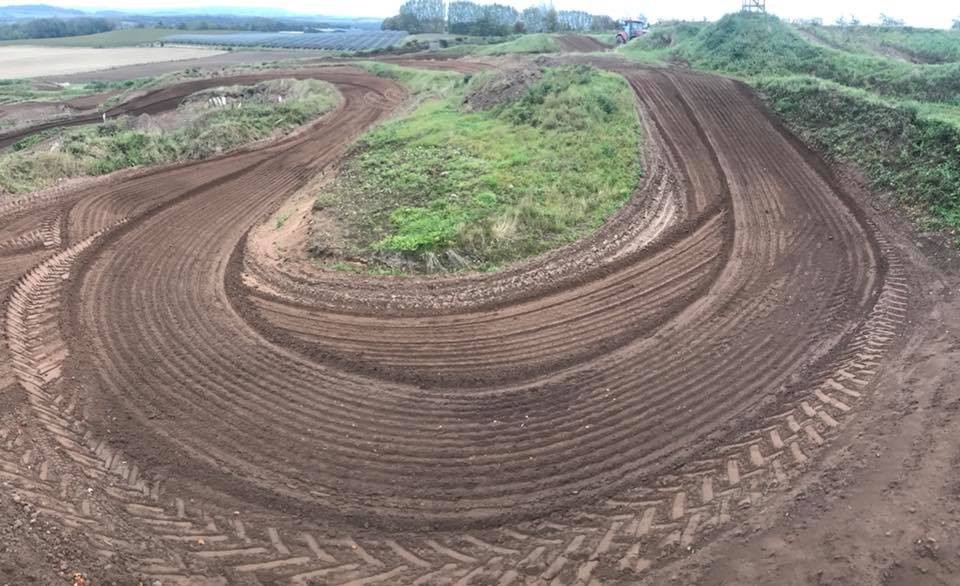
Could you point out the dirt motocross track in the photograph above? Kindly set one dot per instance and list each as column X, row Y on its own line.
column 199, row 412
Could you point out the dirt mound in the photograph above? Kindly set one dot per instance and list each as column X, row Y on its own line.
column 581, row 44
column 502, row 86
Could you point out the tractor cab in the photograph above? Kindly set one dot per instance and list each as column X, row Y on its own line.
column 631, row 28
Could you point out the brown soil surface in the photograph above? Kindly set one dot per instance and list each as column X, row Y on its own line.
column 218, row 61
column 699, row 382
column 507, row 85
column 580, row 44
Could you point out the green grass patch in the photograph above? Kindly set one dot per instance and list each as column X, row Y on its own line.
column 420, row 82
column 103, row 148
column 662, row 43
column 22, row 90
column 899, row 122
column 925, row 45
column 117, row 38
column 902, row 149
column 532, row 43
column 444, row 188
column 749, row 45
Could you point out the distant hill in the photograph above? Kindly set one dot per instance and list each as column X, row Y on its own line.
column 149, row 16
column 29, row 11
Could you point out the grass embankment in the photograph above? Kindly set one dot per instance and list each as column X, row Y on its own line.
column 900, row 149
column 447, row 188
column 532, row 43
column 41, row 160
column 915, row 44
column 131, row 37
column 897, row 121
column 420, row 82
column 22, row 90
column 753, row 45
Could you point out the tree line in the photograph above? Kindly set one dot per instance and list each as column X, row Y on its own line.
column 470, row 18
column 48, row 28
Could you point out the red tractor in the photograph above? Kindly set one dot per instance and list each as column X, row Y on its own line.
column 631, row 29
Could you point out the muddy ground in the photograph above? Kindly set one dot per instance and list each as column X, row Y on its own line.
column 746, row 376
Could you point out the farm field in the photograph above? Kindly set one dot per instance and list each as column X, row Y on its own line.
column 19, row 62
column 660, row 314
column 116, row 38
column 340, row 41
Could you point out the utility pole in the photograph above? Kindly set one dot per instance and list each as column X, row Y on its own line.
column 754, row 6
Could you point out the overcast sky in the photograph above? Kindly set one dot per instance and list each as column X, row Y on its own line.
column 934, row 13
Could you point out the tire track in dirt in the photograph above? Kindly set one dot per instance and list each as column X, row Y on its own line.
column 152, row 102
column 524, row 430
column 580, row 44
column 791, row 331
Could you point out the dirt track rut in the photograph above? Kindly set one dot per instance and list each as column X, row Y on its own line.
column 571, row 419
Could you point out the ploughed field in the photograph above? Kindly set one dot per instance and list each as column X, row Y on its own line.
column 28, row 61
column 573, row 418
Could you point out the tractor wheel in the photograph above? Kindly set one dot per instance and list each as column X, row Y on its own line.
column 621, row 40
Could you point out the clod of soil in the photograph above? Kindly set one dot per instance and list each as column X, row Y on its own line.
column 504, row 86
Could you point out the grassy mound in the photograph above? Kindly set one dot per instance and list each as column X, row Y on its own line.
column 40, row 160
column 532, row 43
column 446, row 188
column 758, row 44
column 902, row 150
column 897, row 121
column 915, row 44
column 22, row 90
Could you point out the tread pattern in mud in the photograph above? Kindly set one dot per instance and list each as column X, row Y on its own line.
column 584, row 416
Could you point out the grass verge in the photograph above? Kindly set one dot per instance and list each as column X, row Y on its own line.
column 22, row 90
column 899, row 122
column 757, row 44
column 532, row 43
column 98, row 149
column 901, row 149
column 920, row 45
column 445, row 188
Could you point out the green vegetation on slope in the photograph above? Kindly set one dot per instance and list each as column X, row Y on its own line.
column 897, row 121
column 420, row 82
column 103, row 148
column 22, row 90
column 663, row 43
column 446, row 187
column 904, row 152
column 532, row 43
column 920, row 45
column 42, row 28
column 752, row 45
